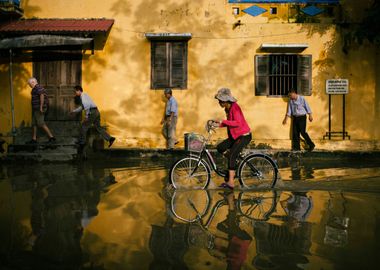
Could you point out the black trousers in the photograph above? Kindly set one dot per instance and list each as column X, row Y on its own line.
column 235, row 146
column 299, row 128
column 92, row 119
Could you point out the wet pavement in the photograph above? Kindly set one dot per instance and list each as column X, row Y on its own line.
column 322, row 215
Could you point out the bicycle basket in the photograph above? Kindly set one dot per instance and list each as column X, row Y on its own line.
column 194, row 142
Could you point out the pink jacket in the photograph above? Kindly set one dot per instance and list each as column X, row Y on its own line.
column 235, row 122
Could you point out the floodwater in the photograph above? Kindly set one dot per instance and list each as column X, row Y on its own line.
column 123, row 216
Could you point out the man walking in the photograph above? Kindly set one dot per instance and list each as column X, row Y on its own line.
column 170, row 119
column 298, row 108
column 92, row 117
column 40, row 104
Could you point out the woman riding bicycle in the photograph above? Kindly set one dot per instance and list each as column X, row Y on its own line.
column 239, row 133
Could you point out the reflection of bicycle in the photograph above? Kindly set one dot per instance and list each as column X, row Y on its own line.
column 194, row 171
column 194, row 205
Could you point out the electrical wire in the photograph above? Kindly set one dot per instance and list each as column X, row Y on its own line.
column 221, row 38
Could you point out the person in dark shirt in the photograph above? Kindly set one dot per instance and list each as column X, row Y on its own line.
column 40, row 104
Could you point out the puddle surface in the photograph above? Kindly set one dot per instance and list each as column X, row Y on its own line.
column 102, row 217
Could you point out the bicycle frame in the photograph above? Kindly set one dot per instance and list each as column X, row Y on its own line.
column 206, row 156
column 210, row 161
column 223, row 202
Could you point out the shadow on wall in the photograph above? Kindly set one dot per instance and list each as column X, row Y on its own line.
column 206, row 74
column 21, row 102
column 29, row 10
column 355, row 65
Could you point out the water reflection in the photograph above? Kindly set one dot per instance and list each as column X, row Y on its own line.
column 260, row 229
column 287, row 244
column 336, row 228
column 301, row 171
column 63, row 201
column 233, row 236
column 92, row 217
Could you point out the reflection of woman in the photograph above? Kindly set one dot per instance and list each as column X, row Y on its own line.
column 239, row 133
column 238, row 239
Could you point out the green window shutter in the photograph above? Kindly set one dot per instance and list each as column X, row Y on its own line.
column 262, row 75
column 178, row 65
column 304, row 74
column 160, row 63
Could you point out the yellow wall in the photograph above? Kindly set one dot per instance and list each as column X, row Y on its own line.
column 21, row 73
column 118, row 78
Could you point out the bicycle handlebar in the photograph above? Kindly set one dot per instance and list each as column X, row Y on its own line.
column 211, row 125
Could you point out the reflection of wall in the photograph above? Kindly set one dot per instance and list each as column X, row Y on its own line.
column 282, row 246
column 349, row 230
column 46, row 211
column 118, row 78
column 168, row 248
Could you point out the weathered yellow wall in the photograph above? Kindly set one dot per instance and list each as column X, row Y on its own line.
column 118, row 78
column 21, row 73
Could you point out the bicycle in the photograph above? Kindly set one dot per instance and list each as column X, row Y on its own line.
column 194, row 171
column 193, row 205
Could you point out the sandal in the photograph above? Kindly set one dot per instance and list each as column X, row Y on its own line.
column 225, row 185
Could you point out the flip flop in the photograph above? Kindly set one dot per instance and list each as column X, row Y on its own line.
column 225, row 185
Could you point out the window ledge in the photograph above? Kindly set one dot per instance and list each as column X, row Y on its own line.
column 168, row 36
column 290, row 47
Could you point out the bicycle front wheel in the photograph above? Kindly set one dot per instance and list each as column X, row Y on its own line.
column 257, row 171
column 257, row 205
column 190, row 205
column 189, row 172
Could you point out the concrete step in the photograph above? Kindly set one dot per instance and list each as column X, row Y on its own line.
column 32, row 148
column 42, row 152
column 65, row 133
column 41, row 157
column 43, row 140
column 65, row 130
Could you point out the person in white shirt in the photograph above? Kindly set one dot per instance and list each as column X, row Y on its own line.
column 92, row 117
column 169, row 121
column 298, row 109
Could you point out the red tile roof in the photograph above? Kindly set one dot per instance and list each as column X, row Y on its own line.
column 56, row 26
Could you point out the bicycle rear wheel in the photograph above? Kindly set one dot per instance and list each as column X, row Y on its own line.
column 189, row 205
column 189, row 172
column 257, row 205
column 257, row 171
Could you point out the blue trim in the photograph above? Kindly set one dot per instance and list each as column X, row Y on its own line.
column 255, row 10
column 284, row 1
column 312, row 10
column 16, row 2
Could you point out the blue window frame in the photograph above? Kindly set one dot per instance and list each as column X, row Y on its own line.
column 15, row 2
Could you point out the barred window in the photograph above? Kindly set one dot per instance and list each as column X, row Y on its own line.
column 276, row 74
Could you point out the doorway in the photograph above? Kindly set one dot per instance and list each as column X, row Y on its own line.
column 59, row 77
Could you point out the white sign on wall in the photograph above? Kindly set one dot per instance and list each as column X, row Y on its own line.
column 337, row 86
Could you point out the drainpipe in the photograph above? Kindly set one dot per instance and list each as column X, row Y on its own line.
column 12, row 95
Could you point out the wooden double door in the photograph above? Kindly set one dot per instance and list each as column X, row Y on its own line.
column 59, row 77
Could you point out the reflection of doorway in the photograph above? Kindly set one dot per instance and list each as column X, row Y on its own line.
column 59, row 77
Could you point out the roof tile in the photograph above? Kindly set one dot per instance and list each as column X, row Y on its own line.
column 56, row 25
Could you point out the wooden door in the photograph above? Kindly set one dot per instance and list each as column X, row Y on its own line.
column 59, row 78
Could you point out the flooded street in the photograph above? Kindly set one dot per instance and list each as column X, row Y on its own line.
column 322, row 215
